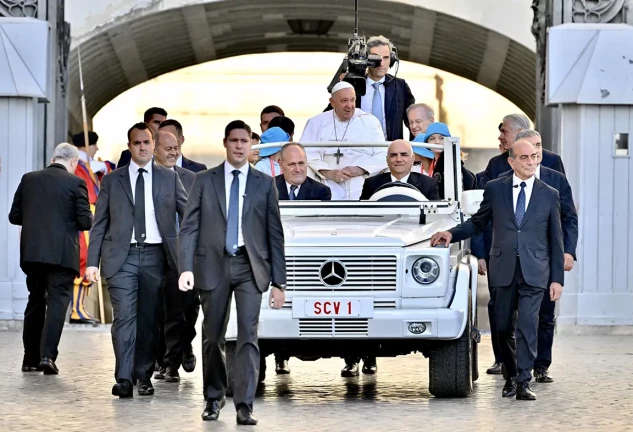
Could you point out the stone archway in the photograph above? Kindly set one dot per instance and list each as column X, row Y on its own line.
column 143, row 45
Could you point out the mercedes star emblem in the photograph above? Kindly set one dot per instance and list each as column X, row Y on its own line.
column 333, row 273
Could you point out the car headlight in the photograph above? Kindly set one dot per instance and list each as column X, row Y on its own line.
column 425, row 270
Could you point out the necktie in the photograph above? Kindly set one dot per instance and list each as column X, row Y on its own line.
column 292, row 195
column 233, row 215
column 519, row 212
column 139, row 208
column 376, row 104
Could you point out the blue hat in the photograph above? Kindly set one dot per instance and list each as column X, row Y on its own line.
column 272, row 135
column 437, row 128
column 424, row 152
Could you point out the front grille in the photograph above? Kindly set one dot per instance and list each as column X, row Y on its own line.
column 364, row 273
column 333, row 327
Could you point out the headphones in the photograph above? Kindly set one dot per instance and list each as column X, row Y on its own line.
column 393, row 57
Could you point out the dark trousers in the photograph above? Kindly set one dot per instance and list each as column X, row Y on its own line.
column 546, row 325
column 181, row 313
column 135, row 293
column 525, row 301
column 496, row 349
column 238, row 280
column 50, row 291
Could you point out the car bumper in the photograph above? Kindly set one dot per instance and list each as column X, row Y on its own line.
column 394, row 324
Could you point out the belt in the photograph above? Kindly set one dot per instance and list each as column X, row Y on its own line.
column 145, row 245
column 240, row 251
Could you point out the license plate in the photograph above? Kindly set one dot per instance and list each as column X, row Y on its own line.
column 333, row 308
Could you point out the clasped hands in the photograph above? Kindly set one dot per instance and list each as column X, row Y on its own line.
column 276, row 300
column 343, row 174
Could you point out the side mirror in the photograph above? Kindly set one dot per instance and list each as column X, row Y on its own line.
column 471, row 200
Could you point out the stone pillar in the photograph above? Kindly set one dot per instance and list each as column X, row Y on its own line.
column 24, row 82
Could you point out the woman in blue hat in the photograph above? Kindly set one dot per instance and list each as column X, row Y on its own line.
column 435, row 134
column 423, row 158
column 269, row 162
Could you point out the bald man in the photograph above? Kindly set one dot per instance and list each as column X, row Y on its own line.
column 180, row 309
column 400, row 161
column 526, row 259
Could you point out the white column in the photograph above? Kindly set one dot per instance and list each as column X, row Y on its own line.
column 18, row 152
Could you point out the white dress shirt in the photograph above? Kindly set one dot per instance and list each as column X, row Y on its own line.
column 403, row 179
column 288, row 186
column 179, row 161
column 537, row 173
column 366, row 101
column 152, row 233
column 228, row 180
column 529, row 185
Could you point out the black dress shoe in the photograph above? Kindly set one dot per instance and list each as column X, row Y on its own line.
column 48, row 366
column 510, row 388
column 524, row 392
column 542, row 376
column 83, row 321
column 145, row 388
column 189, row 362
column 160, row 374
column 212, row 410
column 245, row 417
column 27, row 368
column 370, row 368
column 172, row 375
column 350, row 370
column 282, row 367
column 123, row 389
column 495, row 369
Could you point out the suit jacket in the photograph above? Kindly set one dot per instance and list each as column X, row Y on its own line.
column 569, row 217
column 425, row 184
column 126, row 157
column 499, row 164
column 538, row 240
column 310, row 190
column 203, row 230
column 187, row 177
column 111, row 232
column 52, row 207
column 398, row 98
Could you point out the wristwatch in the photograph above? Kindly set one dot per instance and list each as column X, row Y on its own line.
column 280, row 286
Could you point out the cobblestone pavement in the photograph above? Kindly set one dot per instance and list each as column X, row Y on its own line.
column 593, row 391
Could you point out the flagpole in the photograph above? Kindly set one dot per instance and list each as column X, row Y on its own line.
column 87, row 143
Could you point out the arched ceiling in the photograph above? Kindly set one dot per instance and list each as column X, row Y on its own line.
column 135, row 48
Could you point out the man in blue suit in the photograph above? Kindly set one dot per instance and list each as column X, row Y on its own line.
column 386, row 97
column 513, row 128
column 569, row 222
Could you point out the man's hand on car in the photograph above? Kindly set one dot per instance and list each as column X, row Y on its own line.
column 441, row 237
column 481, row 264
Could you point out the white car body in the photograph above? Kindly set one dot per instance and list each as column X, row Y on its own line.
column 368, row 302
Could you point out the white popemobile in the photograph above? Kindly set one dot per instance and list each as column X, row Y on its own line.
column 363, row 280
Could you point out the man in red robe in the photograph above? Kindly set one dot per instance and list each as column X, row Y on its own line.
column 92, row 171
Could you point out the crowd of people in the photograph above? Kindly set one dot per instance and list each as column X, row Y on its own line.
column 172, row 237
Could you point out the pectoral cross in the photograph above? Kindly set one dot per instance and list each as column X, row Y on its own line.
column 338, row 155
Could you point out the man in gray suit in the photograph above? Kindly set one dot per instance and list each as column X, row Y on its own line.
column 134, row 235
column 232, row 243
column 180, row 308
column 526, row 255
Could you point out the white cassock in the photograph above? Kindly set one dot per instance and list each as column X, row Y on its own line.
column 362, row 127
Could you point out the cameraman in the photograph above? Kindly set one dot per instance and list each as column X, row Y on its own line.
column 393, row 96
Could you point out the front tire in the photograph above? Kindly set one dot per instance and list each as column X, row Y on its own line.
column 451, row 366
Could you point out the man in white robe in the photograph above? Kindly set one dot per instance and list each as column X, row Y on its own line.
column 344, row 169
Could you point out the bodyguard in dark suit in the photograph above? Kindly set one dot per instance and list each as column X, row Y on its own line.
column 240, row 253
column 180, row 308
column 569, row 222
column 134, row 235
column 52, row 206
column 526, row 259
column 400, row 161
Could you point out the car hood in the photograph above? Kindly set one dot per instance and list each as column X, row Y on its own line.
column 359, row 231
